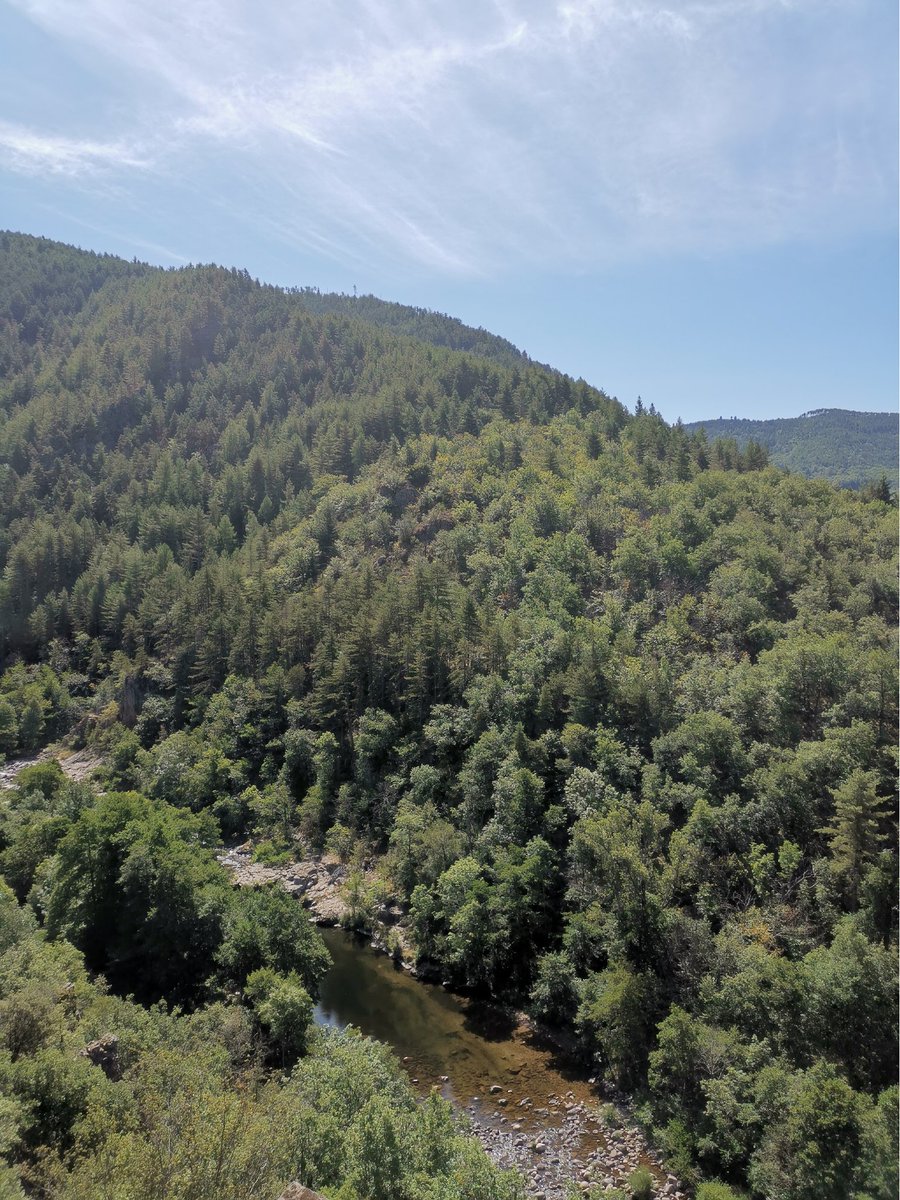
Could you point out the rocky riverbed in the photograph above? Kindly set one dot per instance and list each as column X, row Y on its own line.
column 527, row 1107
column 315, row 881
column 76, row 764
column 583, row 1149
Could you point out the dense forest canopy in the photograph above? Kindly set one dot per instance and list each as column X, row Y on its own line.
column 421, row 323
column 613, row 708
column 849, row 448
column 105, row 1099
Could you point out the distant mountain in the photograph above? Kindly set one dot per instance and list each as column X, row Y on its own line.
column 849, row 448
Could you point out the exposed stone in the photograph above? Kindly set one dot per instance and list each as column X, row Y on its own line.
column 79, row 765
column 574, row 1145
column 104, row 1053
column 316, row 881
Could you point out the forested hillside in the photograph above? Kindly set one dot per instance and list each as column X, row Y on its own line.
column 421, row 323
column 613, row 709
column 852, row 449
column 103, row 1099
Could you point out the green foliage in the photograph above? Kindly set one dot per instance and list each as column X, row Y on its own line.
column 612, row 710
column 340, row 841
column 268, row 928
column 283, row 1008
column 855, row 833
column 820, row 1146
column 362, row 897
column 34, row 821
column 138, row 889
column 9, row 727
column 840, row 445
column 273, row 813
column 46, row 778
column 641, row 1183
column 714, row 1190
column 851, row 1005
column 554, row 997
column 615, row 1017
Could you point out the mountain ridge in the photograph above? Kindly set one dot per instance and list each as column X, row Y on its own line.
column 604, row 712
column 424, row 324
column 847, row 446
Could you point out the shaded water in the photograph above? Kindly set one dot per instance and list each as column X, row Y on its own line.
column 476, row 1046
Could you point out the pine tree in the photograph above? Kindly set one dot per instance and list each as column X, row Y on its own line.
column 854, row 835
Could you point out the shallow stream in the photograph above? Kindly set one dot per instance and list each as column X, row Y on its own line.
column 530, row 1108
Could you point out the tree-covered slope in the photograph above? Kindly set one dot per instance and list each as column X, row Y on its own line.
column 612, row 709
column 103, row 1099
column 849, row 448
column 436, row 328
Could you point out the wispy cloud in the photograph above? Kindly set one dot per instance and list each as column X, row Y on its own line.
column 112, row 235
column 25, row 150
column 475, row 136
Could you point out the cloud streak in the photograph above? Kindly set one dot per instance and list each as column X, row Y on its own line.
column 476, row 137
column 30, row 152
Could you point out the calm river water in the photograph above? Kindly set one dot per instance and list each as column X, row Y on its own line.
column 476, row 1046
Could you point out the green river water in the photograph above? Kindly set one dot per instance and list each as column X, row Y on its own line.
column 438, row 1034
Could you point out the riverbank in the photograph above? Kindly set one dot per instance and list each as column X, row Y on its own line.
column 316, row 881
column 78, row 765
column 530, row 1105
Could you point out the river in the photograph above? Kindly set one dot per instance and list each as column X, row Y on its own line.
column 529, row 1107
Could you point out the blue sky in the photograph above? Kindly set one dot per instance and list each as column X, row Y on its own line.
column 694, row 201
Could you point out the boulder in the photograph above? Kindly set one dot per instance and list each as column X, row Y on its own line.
column 296, row 1191
column 104, row 1053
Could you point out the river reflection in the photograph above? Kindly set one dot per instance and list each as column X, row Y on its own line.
column 476, row 1046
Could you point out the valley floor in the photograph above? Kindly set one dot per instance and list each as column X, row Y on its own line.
column 527, row 1107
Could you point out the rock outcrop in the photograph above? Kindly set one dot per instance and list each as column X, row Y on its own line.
column 104, row 1053
column 315, row 881
column 296, row 1191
